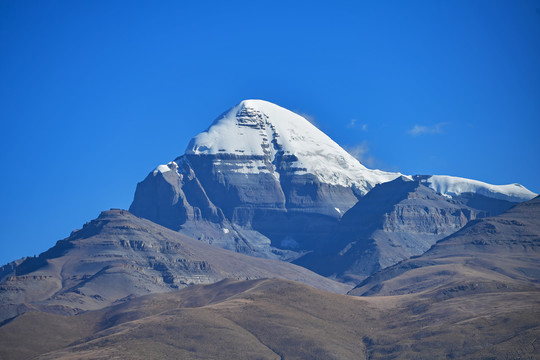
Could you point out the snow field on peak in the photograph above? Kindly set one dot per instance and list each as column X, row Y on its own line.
column 262, row 129
column 162, row 169
column 255, row 132
column 453, row 186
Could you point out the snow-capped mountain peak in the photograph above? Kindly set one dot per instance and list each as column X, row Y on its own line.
column 250, row 127
column 263, row 180
column 266, row 133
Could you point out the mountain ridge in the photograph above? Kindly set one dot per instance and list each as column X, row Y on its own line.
column 500, row 251
column 259, row 165
column 394, row 221
column 275, row 319
column 118, row 256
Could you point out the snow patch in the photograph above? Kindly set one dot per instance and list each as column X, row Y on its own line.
column 452, row 186
column 162, row 169
column 172, row 166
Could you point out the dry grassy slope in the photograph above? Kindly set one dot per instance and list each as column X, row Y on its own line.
column 278, row 319
column 266, row 319
column 119, row 255
column 500, row 253
column 474, row 295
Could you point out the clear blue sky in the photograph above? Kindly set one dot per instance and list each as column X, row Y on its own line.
column 95, row 94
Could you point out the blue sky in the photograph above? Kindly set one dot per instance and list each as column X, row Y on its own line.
column 95, row 94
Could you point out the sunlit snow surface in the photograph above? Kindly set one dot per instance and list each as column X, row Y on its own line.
column 452, row 186
column 263, row 129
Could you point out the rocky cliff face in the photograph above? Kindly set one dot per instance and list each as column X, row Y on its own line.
column 394, row 221
column 494, row 254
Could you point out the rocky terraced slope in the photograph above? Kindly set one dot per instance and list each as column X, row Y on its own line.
column 500, row 253
column 119, row 256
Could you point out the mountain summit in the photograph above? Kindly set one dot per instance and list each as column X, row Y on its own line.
column 265, row 135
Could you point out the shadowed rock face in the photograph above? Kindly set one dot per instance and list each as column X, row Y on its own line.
column 256, row 214
column 394, row 221
column 118, row 256
column 261, row 216
column 501, row 252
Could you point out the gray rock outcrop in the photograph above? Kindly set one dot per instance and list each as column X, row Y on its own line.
column 394, row 221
